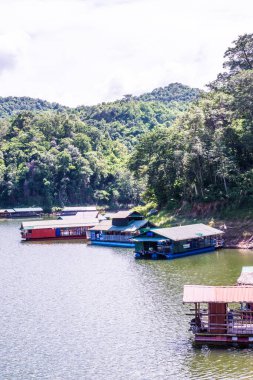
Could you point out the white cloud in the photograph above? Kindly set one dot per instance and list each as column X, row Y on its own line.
column 88, row 51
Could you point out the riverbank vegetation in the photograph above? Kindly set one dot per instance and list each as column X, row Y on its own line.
column 207, row 155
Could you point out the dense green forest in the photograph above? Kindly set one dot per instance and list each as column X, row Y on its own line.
column 172, row 146
column 207, row 155
column 53, row 156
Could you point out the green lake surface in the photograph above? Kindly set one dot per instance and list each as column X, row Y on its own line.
column 73, row 311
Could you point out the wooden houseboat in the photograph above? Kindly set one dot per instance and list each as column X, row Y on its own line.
column 57, row 229
column 175, row 242
column 118, row 231
column 6, row 213
column 222, row 315
column 29, row 212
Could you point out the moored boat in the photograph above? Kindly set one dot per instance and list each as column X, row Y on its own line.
column 175, row 242
column 57, row 229
column 118, row 229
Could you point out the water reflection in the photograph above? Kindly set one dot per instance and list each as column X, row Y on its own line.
column 74, row 311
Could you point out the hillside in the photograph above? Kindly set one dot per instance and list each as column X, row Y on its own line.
column 52, row 155
column 12, row 104
column 174, row 92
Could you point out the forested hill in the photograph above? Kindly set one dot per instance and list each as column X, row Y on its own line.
column 174, row 92
column 13, row 104
column 52, row 155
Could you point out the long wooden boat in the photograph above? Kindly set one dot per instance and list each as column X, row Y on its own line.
column 57, row 229
column 222, row 315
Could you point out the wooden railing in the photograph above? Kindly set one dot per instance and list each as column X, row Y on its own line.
column 235, row 322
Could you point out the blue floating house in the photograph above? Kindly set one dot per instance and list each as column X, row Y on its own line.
column 175, row 242
column 119, row 229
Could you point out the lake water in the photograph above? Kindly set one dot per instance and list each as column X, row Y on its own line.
column 72, row 311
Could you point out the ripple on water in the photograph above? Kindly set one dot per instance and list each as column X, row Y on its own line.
column 71, row 311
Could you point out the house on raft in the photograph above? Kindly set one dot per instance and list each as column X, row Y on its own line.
column 118, row 230
column 222, row 315
column 175, row 242
column 29, row 212
column 73, row 228
column 6, row 213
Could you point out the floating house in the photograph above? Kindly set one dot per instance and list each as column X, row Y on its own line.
column 77, row 209
column 29, row 212
column 222, row 315
column 6, row 213
column 175, row 242
column 118, row 231
column 57, row 229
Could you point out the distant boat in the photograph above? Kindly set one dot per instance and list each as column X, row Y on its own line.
column 21, row 212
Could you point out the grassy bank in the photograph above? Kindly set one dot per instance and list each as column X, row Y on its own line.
column 236, row 223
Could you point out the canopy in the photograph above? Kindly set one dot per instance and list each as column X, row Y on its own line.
column 217, row 294
column 191, row 231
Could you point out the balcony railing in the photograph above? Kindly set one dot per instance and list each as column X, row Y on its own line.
column 235, row 322
column 113, row 238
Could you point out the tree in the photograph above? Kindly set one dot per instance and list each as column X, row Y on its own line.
column 240, row 56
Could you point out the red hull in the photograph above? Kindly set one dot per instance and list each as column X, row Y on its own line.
column 50, row 233
column 57, row 238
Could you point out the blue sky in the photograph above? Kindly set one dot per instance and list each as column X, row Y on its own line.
column 89, row 51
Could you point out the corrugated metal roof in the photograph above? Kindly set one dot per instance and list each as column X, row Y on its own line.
column 218, row 294
column 131, row 227
column 124, row 214
column 9, row 210
column 80, row 208
column 190, row 231
column 106, row 225
column 109, row 215
column 28, row 209
column 36, row 225
column 85, row 216
column 246, row 276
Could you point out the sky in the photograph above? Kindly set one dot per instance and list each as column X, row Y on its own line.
column 78, row 52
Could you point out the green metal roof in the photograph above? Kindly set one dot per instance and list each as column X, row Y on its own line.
column 191, row 231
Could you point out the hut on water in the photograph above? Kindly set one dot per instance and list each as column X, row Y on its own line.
column 222, row 315
column 174, row 242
